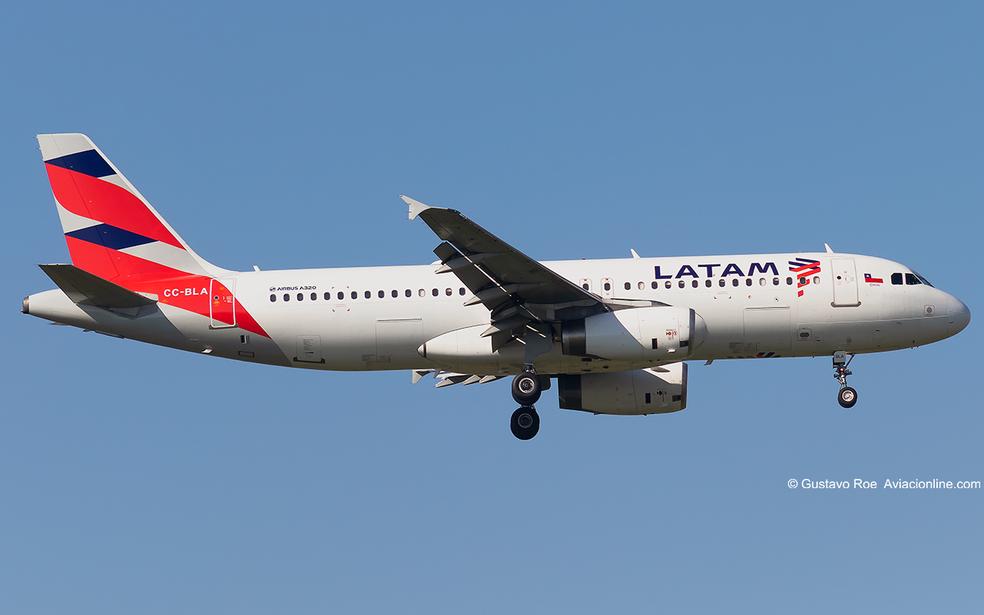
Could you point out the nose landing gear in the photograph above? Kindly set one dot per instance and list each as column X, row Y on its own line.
column 847, row 396
column 526, row 389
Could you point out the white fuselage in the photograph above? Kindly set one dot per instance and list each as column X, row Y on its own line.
column 376, row 318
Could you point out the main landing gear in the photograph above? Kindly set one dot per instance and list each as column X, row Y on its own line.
column 847, row 396
column 525, row 422
column 526, row 389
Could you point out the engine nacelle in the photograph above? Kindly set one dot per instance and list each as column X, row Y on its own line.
column 648, row 333
column 643, row 391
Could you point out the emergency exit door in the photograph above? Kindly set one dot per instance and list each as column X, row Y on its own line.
column 845, row 282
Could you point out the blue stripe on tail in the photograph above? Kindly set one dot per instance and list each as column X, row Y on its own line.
column 110, row 236
column 88, row 162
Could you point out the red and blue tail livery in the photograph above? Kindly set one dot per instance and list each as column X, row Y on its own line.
column 113, row 233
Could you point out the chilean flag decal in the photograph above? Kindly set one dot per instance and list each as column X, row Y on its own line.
column 870, row 279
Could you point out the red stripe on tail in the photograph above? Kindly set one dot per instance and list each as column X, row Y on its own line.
column 106, row 202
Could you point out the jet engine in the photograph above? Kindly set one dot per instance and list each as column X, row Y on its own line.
column 643, row 391
column 648, row 333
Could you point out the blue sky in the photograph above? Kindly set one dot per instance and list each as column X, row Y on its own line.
column 136, row 479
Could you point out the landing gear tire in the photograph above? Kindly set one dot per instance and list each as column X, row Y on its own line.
column 525, row 422
column 847, row 397
column 526, row 388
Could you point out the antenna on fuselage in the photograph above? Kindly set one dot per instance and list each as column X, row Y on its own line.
column 826, row 246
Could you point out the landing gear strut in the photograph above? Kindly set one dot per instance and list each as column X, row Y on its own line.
column 847, row 396
column 526, row 389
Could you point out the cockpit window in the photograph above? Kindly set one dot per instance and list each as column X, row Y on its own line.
column 911, row 280
column 897, row 279
column 921, row 278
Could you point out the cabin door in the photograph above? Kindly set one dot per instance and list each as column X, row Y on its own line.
column 845, row 282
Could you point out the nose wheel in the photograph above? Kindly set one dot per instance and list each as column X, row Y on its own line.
column 847, row 396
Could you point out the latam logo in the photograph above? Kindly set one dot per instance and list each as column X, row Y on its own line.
column 688, row 271
column 804, row 268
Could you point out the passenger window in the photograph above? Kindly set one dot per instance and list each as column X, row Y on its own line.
column 761, row 281
column 669, row 284
column 721, row 282
column 628, row 286
column 355, row 295
column 707, row 283
column 642, row 285
column 608, row 286
column 408, row 293
column 395, row 294
column 694, row 283
column 734, row 282
column 286, row 296
column 327, row 296
column 273, row 298
column 381, row 294
column 340, row 295
column 584, row 286
column 314, row 296
column 421, row 293
column 300, row 296
column 816, row 279
column 368, row 294
column 775, row 281
column 789, row 281
column 435, row 292
column 911, row 280
column 447, row 291
column 681, row 283
column 461, row 291
column 748, row 281
column 655, row 285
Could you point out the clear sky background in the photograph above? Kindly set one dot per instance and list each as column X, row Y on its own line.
column 136, row 479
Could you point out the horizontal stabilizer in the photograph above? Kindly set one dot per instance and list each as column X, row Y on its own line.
column 86, row 289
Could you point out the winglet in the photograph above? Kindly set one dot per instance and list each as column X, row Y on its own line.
column 416, row 207
column 826, row 246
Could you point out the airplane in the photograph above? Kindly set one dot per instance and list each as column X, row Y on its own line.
column 615, row 334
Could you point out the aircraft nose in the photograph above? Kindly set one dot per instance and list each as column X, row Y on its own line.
column 959, row 315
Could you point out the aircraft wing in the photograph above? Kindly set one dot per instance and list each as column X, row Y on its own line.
column 517, row 290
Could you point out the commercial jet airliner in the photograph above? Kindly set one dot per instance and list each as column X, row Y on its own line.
column 615, row 334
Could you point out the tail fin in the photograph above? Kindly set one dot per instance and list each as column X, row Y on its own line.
column 110, row 228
